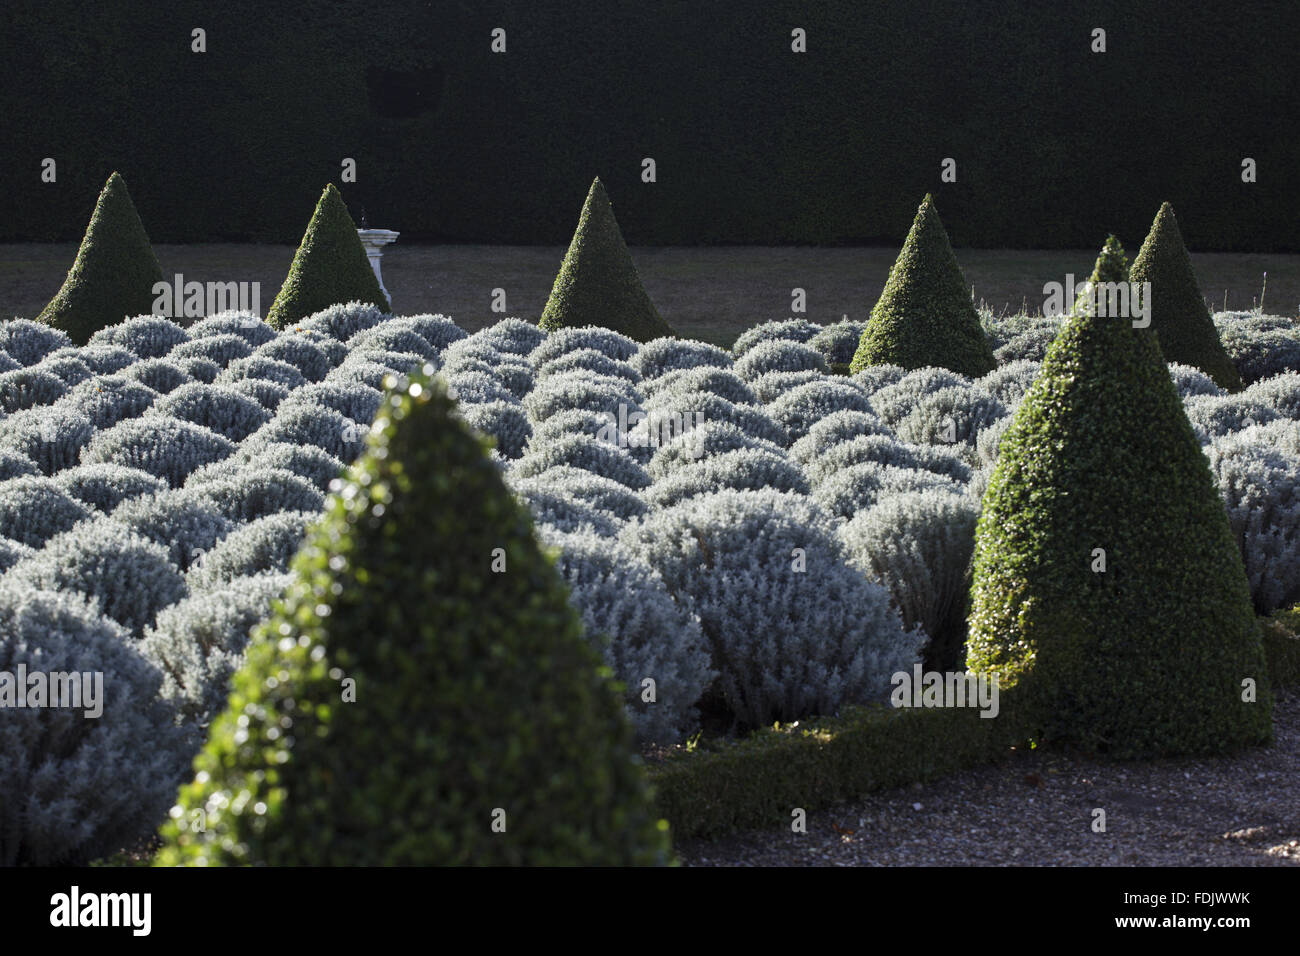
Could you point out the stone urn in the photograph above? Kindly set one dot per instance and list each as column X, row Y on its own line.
column 374, row 241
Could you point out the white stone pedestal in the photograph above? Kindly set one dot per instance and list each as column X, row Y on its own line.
column 374, row 240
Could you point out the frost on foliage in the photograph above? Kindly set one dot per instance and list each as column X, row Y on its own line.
column 35, row 509
column 258, row 366
column 503, row 421
column 80, row 789
column 323, row 427
column 218, row 407
column 895, row 402
column 788, row 643
column 861, row 486
column 951, row 416
column 834, row 429
column 839, row 341
column 1214, row 416
column 186, row 526
column 706, row 378
column 770, row 386
column 65, row 366
column 605, row 494
column 658, row 357
column 789, row 330
column 161, row 375
column 590, row 454
column 221, row 349
column 198, row 643
column 799, row 409
column 145, row 336
column 513, row 336
column 1280, row 393
column 591, row 361
column 1009, row 383
column 595, row 393
column 643, row 634
column 301, row 352
column 109, row 399
column 128, row 578
column 28, row 342
column 875, row 377
column 103, row 487
column 246, row 325
column 919, row 545
column 708, row 440
column 779, row 355
column 266, row 544
column 342, row 321
column 1190, row 381
column 52, row 438
column 557, row 343
column 166, row 447
column 28, row 387
column 1260, row 486
column 742, row 469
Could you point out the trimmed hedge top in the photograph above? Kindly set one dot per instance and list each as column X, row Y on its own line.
column 925, row 316
column 114, row 273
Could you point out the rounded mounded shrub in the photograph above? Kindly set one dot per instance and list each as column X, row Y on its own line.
column 145, row 336
column 610, row 496
column 1192, row 381
column 261, row 367
column 855, row 489
column 267, row 394
column 14, row 464
column 221, row 349
column 787, row 330
column 1280, row 393
column 1029, row 346
column 835, row 429
column 370, row 374
column 1215, row 416
column 11, row 552
column 176, row 519
column 104, row 487
column 28, row 342
column 256, row 491
column 35, row 509
column 342, row 321
column 895, row 402
column 668, row 354
column 505, row 422
column 299, row 351
column 779, row 355
column 166, row 447
column 109, row 399
column 28, row 387
column 199, row 368
column 319, row 467
column 389, row 337
column 323, row 427
column 600, row 394
column 704, row 378
column 590, row 454
column 350, row 399
column 670, row 415
column 1009, row 383
column 479, row 387
column 800, row 408
column 512, row 336
column 264, row 544
column 875, row 377
column 563, row 512
column 246, row 325
column 951, row 416
column 64, row 365
column 562, row 341
column 743, row 469
column 218, row 407
column 162, row 375
column 50, row 437
column 1259, row 354
column 838, row 342
column 708, row 440
column 588, row 360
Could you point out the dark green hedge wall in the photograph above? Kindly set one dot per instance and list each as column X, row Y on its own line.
column 1055, row 145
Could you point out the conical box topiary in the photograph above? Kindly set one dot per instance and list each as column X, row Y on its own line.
column 1108, row 593
column 925, row 317
column 329, row 268
column 598, row 282
column 1110, row 269
column 114, row 275
column 423, row 693
column 1179, row 316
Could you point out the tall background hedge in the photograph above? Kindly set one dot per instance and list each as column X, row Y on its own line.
column 1054, row 144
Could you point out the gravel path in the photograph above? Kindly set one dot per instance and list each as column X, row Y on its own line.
column 1037, row 810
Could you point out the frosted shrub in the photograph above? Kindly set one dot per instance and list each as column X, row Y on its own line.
column 742, row 469
column 35, row 509
column 789, row 330
column 801, row 408
column 588, row 360
column 951, row 416
column 875, row 377
column 476, row 348
column 1216, row 416
column 14, row 464
column 767, row 388
column 838, row 342
column 198, row 643
column 11, row 552
column 145, row 336
column 834, row 429
column 104, row 487
column 7, row 364
column 390, row 337
column 479, row 387
column 1261, row 354
column 706, row 378
column 81, row 789
column 779, row 355
column 128, row 577
column 1261, row 491
column 872, row 446
column 642, row 633
column 315, row 465
column 600, row 394
column 513, row 336
column 397, row 363
column 28, row 342
column 323, row 427
column 28, row 387
column 267, row 394
column 218, row 407
column 793, row 629
column 1192, row 381
column 299, row 351
column 246, row 325
column 696, row 408
column 919, row 545
column 370, row 374
column 106, row 359
column 989, row 439
column 515, row 375
column 166, row 447
column 188, row 528
column 563, row 512
column 350, row 399
column 1009, row 383
column 1001, row 330
column 1027, row 346
column 256, row 491
column 65, row 366
column 161, row 375
column 335, row 352
column 342, row 321
column 504, row 421
column 609, row 496
column 265, row 544
column 859, row 487
column 220, row 349
column 895, row 402
column 1280, row 393
column 660, row 356
column 557, row 343
column 109, row 399
column 51, row 438
column 708, row 440
column 590, row 454
column 938, row 460
column 440, row 331
column 572, row 421
column 256, row 366
column 198, row 368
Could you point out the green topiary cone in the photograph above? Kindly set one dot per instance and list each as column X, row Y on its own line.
column 598, row 283
column 329, row 268
column 1111, row 267
column 1179, row 315
column 475, row 689
column 114, row 274
column 1146, row 653
column 924, row 316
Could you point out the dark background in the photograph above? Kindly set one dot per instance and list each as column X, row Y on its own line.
column 1055, row 146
